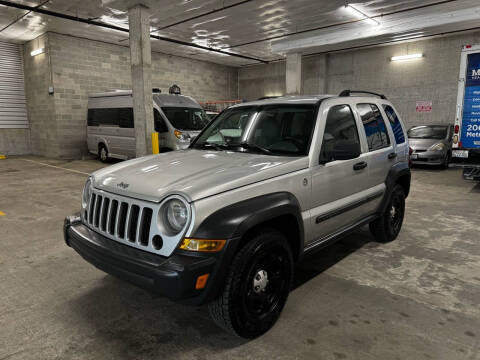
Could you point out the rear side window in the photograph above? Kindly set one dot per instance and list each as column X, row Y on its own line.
column 119, row 117
column 395, row 123
column 340, row 127
column 375, row 128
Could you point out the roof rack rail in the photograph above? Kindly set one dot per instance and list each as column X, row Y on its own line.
column 349, row 92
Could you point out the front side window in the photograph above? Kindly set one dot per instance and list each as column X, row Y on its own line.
column 186, row 118
column 375, row 128
column 270, row 129
column 395, row 124
column 159, row 123
column 340, row 128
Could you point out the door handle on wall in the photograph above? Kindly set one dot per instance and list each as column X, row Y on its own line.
column 360, row 165
column 392, row 155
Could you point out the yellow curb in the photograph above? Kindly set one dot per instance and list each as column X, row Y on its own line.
column 2, row 213
column 2, row 156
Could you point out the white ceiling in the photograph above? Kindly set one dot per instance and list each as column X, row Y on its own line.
column 262, row 29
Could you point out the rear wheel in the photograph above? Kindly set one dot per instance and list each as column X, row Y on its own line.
column 446, row 161
column 387, row 227
column 102, row 153
column 257, row 286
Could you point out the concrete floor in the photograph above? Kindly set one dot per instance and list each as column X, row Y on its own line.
column 416, row 298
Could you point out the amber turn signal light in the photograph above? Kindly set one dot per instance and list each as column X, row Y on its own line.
column 201, row 281
column 202, row 245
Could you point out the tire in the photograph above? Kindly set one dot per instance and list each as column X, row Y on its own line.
column 387, row 227
column 163, row 150
column 446, row 161
column 102, row 153
column 257, row 286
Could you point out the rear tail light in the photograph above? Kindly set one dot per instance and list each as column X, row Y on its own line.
column 457, row 129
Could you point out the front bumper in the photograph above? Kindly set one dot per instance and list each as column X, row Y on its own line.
column 428, row 157
column 173, row 277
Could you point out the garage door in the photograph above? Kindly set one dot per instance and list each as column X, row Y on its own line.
column 13, row 109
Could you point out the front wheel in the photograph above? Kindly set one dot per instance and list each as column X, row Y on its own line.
column 257, row 286
column 102, row 153
column 387, row 227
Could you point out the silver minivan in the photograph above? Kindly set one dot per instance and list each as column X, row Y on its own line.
column 110, row 125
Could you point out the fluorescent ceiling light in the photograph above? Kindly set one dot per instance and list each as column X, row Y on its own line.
column 354, row 11
column 37, row 51
column 406, row 57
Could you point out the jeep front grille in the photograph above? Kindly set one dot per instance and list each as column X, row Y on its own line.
column 125, row 220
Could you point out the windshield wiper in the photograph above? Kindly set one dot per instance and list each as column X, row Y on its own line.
column 209, row 145
column 246, row 145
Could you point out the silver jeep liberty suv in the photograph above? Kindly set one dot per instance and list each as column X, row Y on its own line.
column 224, row 221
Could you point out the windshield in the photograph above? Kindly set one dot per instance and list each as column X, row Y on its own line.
column 271, row 129
column 186, row 118
column 428, row 132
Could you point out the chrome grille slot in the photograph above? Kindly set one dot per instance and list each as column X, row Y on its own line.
column 144, row 228
column 130, row 221
column 122, row 220
column 92, row 205
column 104, row 213
column 112, row 217
column 96, row 211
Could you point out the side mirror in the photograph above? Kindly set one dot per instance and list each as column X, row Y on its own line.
column 342, row 150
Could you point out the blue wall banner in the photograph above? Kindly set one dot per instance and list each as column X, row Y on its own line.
column 470, row 136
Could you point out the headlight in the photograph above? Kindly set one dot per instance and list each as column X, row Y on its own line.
column 87, row 192
column 181, row 136
column 437, row 147
column 174, row 215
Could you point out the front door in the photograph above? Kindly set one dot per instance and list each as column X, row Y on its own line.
column 339, row 187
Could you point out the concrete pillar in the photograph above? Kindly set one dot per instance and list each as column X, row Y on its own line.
column 141, row 65
column 322, row 74
column 294, row 74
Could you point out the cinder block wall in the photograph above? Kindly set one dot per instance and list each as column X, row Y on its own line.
column 80, row 67
column 432, row 78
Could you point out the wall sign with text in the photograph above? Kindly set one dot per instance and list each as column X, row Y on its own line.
column 424, row 106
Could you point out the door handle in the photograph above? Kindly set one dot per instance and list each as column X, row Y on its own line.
column 392, row 156
column 360, row 165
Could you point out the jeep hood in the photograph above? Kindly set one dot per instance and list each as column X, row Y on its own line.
column 194, row 173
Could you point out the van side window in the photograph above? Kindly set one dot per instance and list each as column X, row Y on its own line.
column 159, row 122
column 339, row 127
column 125, row 117
column 122, row 117
column 375, row 128
column 395, row 123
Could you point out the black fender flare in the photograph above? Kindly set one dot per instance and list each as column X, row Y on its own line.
column 234, row 220
column 397, row 171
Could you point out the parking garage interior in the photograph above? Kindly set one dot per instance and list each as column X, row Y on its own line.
column 417, row 297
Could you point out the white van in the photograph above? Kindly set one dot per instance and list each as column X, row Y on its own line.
column 110, row 125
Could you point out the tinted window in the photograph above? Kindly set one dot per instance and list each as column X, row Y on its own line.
column 186, row 118
column 160, row 125
column 428, row 132
column 125, row 117
column 395, row 123
column 279, row 129
column 339, row 127
column 375, row 128
column 122, row 117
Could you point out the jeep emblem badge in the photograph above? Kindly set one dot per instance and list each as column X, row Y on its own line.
column 123, row 185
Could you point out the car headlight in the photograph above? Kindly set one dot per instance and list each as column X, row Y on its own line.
column 437, row 147
column 174, row 215
column 87, row 192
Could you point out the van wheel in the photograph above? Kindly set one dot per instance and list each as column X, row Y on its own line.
column 257, row 286
column 387, row 227
column 163, row 150
column 102, row 153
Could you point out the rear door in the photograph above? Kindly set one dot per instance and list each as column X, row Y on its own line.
column 381, row 152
